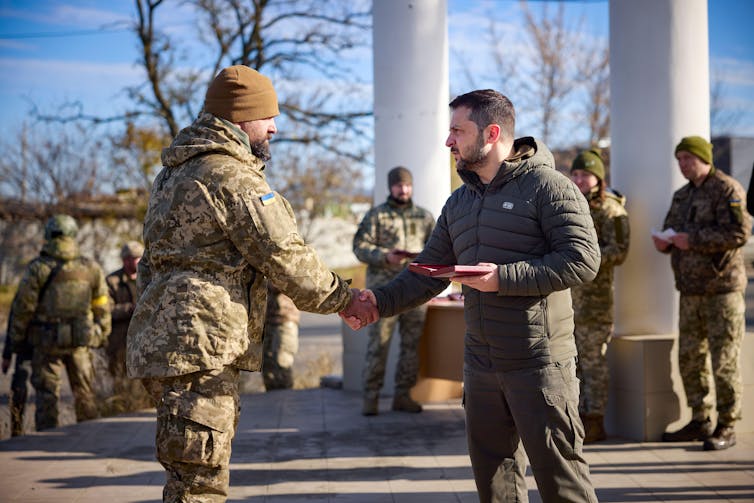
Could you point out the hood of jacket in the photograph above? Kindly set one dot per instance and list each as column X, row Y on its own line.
column 209, row 135
column 63, row 248
column 528, row 153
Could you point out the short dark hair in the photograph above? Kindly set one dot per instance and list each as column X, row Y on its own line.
column 487, row 107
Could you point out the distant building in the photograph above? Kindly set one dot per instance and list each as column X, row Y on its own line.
column 734, row 156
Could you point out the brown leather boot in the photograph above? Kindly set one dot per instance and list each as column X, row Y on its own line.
column 404, row 403
column 594, row 428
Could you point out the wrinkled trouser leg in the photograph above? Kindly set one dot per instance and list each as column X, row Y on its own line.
column 197, row 415
column 46, row 374
column 410, row 327
column 280, row 348
column 19, row 393
column 539, row 406
column 380, row 334
column 81, row 376
column 497, row 458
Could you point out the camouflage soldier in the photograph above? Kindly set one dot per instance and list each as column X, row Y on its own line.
column 214, row 233
column 593, row 301
column 704, row 230
column 61, row 308
column 388, row 236
column 19, row 388
column 280, row 340
column 128, row 394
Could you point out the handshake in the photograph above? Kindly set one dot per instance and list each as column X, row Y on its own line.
column 361, row 310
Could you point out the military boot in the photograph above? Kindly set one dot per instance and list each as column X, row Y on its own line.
column 594, row 428
column 371, row 404
column 722, row 438
column 695, row 430
column 404, row 403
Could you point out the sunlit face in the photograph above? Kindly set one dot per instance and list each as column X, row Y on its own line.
column 466, row 141
column 693, row 169
column 401, row 191
column 130, row 265
column 260, row 133
column 584, row 180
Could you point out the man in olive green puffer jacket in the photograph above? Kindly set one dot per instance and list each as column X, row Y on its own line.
column 530, row 229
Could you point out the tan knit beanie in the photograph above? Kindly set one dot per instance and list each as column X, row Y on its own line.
column 240, row 94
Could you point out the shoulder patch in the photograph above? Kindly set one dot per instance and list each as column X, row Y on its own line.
column 268, row 198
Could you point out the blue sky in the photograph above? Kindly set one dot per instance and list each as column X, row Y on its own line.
column 80, row 50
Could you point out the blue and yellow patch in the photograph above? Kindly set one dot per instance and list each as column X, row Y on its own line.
column 268, row 198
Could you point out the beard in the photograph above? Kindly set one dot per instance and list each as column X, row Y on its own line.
column 474, row 160
column 261, row 149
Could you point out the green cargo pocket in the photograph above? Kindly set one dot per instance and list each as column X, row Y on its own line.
column 200, row 429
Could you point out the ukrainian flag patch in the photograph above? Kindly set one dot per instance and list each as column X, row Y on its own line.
column 268, row 198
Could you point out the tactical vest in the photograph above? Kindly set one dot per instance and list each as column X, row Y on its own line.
column 63, row 318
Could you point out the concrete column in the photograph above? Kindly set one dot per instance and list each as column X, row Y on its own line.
column 659, row 84
column 411, row 97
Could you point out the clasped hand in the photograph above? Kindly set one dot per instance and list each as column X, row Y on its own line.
column 361, row 310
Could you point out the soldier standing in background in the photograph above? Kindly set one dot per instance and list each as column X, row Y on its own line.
column 214, row 235
column 710, row 225
column 388, row 236
column 280, row 340
column 593, row 301
column 128, row 394
column 61, row 308
column 19, row 384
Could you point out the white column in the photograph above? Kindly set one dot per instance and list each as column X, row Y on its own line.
column 411, row 97
column 659, row 85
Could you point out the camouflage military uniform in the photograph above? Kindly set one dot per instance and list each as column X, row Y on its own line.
column 71, row 316
column 280, row 340
column 711, row 278
column 384, row 228
column 214, row 233
column 593, row 301
column 19, row 388
column 128, row 394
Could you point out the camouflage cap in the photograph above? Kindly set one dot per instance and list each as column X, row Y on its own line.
column 132, row 249
column 59, row 226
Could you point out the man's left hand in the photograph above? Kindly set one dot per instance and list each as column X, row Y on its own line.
column 488, row 282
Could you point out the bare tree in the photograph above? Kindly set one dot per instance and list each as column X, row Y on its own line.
column 556, row 75
column 301, row 42
column 723, row 119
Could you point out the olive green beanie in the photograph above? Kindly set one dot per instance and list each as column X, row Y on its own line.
column 590, row 161
column 240, row 94
column 696, row 145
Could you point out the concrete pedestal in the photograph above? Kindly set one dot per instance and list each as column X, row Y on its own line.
column 646, row 394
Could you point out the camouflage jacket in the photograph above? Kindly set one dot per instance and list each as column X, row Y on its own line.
column 214, row 233
column 384, row 228
column 123, row 297
column 714, row 216
column 613, row 234
column 72, row 311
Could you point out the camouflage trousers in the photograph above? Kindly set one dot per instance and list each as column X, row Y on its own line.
column 46, row 376
column 712, row 325
column 280, row 348
column 592, row 338
column 197, row 415
column 128, row 394
column 19, row 393
column 410, row 327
